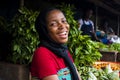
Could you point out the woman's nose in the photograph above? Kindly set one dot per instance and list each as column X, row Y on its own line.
column 61, row 25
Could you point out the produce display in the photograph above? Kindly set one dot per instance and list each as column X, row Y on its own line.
column 108, row 48
column 106, row 73
column 103, row 64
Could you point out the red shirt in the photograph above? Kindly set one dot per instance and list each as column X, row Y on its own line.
column 46, row 63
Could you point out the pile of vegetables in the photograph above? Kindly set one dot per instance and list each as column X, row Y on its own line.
column 115, row 46
column 103, row 74
column 108, row 48
column 114, row 65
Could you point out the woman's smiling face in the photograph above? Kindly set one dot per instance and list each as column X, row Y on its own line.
column 58, row 27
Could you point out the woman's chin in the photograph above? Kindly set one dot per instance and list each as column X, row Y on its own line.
column 63, row 41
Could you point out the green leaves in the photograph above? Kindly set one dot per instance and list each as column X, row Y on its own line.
column 25, row 38
column 115, row 46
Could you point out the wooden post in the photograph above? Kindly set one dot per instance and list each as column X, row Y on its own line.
column 21, row 3
column 118, row 26
column 96, row 18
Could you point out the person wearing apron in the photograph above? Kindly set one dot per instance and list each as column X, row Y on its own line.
column 87, row 26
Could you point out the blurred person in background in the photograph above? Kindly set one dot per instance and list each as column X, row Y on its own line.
column 86, row 25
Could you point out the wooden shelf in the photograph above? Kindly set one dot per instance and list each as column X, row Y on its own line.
column 109, row 56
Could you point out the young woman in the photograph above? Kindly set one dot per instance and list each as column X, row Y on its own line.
column 52, row 60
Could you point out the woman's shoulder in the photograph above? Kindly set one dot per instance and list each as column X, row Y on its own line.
column 42, row 48
column 42, row 51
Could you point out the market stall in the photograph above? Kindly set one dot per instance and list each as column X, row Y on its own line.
column 108, row 67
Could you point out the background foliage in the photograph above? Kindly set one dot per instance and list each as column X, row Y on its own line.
column 25, row 38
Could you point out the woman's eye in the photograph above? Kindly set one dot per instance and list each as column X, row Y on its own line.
column 64, row 21
column 52, row 24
